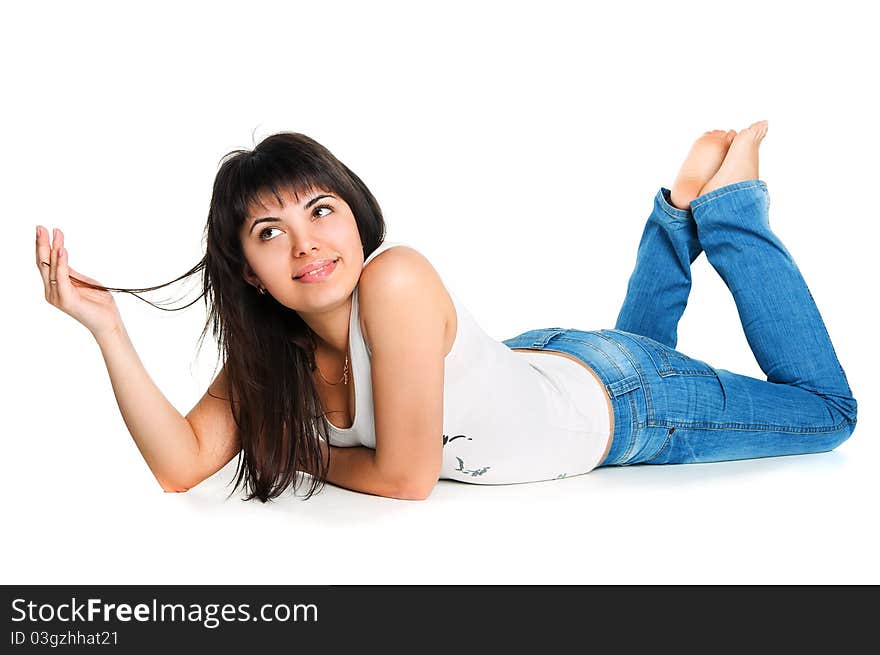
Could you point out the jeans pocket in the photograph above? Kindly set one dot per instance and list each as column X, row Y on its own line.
column 671, row 363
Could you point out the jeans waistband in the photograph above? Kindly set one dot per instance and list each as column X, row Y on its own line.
column 606, row 352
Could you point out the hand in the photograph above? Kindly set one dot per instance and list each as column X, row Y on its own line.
column 94, row 308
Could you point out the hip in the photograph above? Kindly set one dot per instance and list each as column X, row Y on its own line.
column 642, row 379
column 669, row 407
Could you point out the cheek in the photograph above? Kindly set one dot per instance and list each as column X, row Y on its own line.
column 263, row 262
column 342, row 232
column 352, row 236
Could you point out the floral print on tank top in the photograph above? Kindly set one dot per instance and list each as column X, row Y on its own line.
column 479, row 471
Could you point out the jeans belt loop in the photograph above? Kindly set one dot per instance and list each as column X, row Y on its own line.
column 624, row 386
column 543, row 340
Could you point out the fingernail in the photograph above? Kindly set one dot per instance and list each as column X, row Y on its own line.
column 38, row 231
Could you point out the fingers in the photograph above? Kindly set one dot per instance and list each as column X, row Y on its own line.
column 53, row 268
column 48, row 252
column 52, row 250
column 43, row 255
column 63, row 285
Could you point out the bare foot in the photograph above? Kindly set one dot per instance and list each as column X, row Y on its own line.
column 702, row 161
column 741, row 162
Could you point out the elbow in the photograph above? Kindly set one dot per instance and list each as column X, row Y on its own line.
column 168, row 487
column 414, row 490
column 169, row 490
column 407, row 484
column 407, row 495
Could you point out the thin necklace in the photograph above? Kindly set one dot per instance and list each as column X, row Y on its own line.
column 344, row 372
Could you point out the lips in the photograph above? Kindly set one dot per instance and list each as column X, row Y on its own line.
column 313, row 266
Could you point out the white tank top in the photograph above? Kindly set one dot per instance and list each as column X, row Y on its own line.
column 508, row 416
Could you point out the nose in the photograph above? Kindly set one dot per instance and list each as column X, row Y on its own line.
column 303, row 243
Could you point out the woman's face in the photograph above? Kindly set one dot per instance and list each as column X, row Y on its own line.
column 278, row 241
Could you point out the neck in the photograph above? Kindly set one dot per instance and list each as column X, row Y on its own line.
column 330, row 329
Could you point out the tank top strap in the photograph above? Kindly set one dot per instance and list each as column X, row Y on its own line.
column 385, row 245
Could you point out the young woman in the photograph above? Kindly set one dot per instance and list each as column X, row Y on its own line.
column 347, row 359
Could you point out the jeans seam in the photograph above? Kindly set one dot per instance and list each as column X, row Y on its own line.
column 676, row 223
column 667, row 207
column 646, row 387
column 639, row 371
column 721, row 195
column 635, row 426
column 749, row 427
column 659, row 452
column 633, row 410
column 834, row 352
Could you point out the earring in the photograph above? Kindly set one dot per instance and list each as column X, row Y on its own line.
column 262, row 291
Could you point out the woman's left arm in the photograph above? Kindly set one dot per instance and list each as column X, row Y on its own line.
column 405, row 309
column 402, row 303
column 355, row 468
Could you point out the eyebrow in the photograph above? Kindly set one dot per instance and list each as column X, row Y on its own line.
column 269, row 219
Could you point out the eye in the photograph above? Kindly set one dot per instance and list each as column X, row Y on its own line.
column 322, row 207
column 263, row 231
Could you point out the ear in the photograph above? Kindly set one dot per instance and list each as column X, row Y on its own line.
column 251, row 277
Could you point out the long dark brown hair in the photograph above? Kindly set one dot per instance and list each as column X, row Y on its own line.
column 268, row 350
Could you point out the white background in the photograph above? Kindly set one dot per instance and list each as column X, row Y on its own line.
column 496, row 136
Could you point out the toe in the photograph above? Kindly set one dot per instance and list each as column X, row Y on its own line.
column 759, row 129
column 749, row 133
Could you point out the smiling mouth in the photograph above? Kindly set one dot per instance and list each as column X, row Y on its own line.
column 316, row 271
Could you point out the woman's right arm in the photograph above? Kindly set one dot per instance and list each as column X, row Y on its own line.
column 180, row 451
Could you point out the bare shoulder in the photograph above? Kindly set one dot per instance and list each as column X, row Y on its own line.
column 401, row 274
column 399, row 260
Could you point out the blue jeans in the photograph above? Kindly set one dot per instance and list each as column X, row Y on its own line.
column 672, row 409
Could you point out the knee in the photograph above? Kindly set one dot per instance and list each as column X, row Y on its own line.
column 851, row 410
column 845, row 407
column 845, row 432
